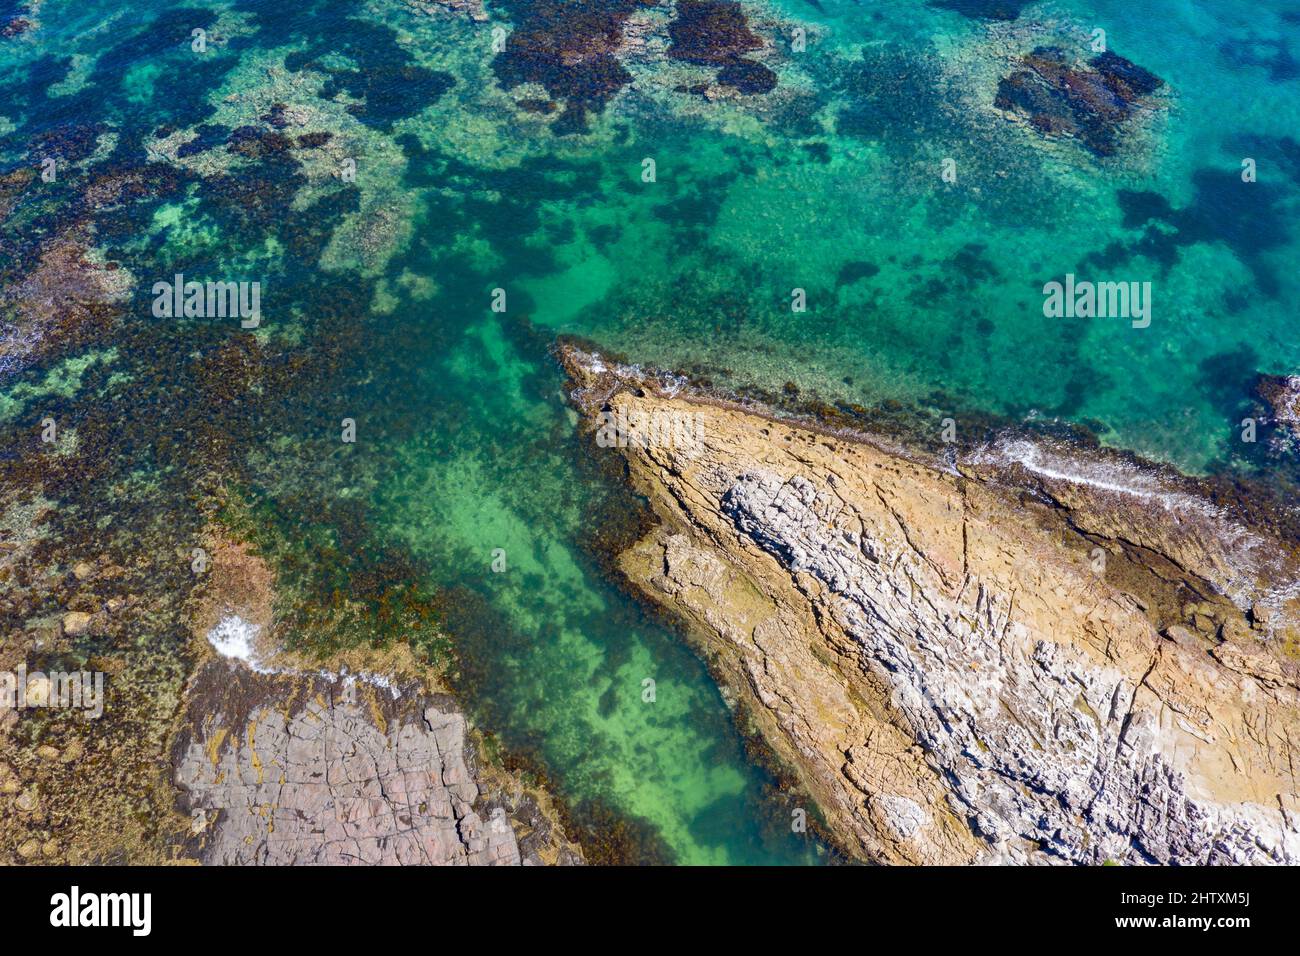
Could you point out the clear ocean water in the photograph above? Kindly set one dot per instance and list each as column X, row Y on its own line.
column 378, row 293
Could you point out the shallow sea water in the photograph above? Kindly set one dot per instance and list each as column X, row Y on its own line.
column 918, row 290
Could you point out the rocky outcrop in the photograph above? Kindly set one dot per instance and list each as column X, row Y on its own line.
column 283, row 758
column 716, row 33
column 1014, row 659
column 1281, row 397
column 60, row 304
column 16, row 18
column 1092, row 102
column 568, row 48
column 280, row 769
column 583, row 54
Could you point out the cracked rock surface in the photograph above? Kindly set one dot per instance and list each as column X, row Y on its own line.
column 301, row 769
column 961, row 669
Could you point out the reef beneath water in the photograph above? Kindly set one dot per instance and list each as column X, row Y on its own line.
column 1092, row 102
column 568, row 48
column 18, row 17
column 716, row 33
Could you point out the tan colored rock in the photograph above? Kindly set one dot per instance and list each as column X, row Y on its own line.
column 937, row 656
column 72, row 752
column 76, row 623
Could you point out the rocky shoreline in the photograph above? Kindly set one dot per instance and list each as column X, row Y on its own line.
column 302, row 769
column 362, row 758
column 1022, row 653
column 247, row 752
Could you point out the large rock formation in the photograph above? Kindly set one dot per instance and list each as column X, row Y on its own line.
column 285, row 759
column 1023, row 658
column 1092, row 102
column 716, row 33
column 315, row 769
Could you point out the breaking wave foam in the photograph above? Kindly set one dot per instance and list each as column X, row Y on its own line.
column 1115, row 477
column 1252, row 557
column 235, row 639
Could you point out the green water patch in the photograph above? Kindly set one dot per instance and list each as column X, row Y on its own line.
column 802, row 235
column 564, row 667
column 64, row 381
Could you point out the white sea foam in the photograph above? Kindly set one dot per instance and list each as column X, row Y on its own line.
column 1115, row 477
column 670, row 383
column 236, row 639
column 1251, row 557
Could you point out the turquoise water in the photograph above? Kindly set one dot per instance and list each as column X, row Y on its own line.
column 378, row 294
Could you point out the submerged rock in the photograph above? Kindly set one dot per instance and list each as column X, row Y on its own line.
column 1092, row 103
column 15, row 19
column 1281, row 397
column 716, row 33
column 1126, row 78
column 568, row 48
column 59, row 305
column 1282, row 393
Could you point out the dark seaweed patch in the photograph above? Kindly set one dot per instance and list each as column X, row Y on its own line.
column 973, row 265
column 716, row 33
column 748, row 77
column 569, row 49
column 892, row 99
column 384, row 77
column 1226, row 379
column 854, row 270
column 820, row 152
column 208, row 136
column 696, row 208
column 1125, row 77
column 1281, row 151
column 1273, row 54
column 710, row 32
column 983, row 9
column 1246, row 217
